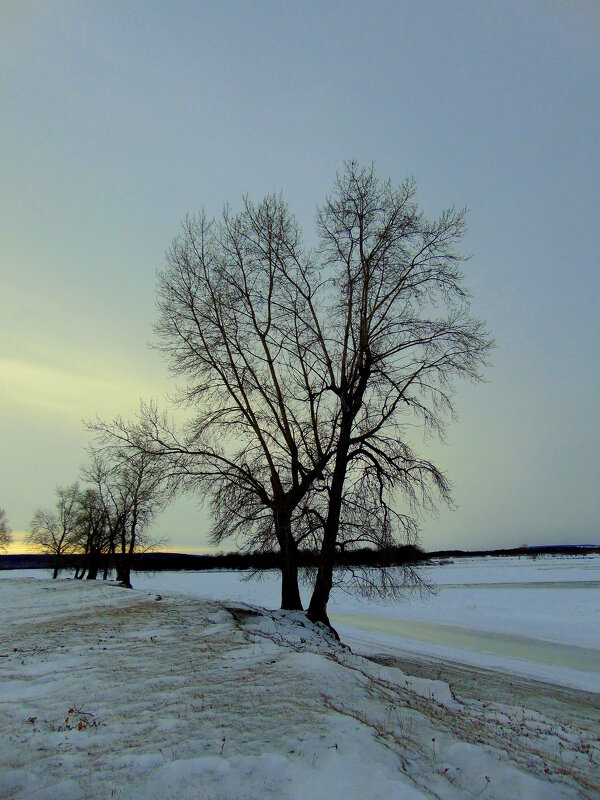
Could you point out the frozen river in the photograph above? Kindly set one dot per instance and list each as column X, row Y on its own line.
column 532, row 617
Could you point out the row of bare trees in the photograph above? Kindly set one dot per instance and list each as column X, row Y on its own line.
column 105, row 523
column 308, row 374
column 5, row 532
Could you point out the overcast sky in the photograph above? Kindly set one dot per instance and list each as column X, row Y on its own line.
column 118, row 118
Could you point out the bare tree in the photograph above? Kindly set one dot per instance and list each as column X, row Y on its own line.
column 232, row 326
column 92, row 533
column 130, row 490
column 5, row 532
column 398, row 334
column 55, row 532
column 307, row 372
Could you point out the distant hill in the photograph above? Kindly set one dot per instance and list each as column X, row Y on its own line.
column 525, row 550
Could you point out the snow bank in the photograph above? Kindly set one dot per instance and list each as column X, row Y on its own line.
column 109, row 693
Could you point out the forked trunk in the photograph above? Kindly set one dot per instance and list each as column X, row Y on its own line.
column 290, row 591
column 317, row 609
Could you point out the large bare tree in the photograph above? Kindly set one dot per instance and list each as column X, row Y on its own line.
column 398, row 334
column 232, row 326
column 307, row 371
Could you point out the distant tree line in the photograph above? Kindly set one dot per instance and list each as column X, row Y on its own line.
column 524, row 550
column 5, row 532
column 155, row 561
column 104, row 524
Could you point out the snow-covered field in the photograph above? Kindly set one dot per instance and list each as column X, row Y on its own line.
column 178, row 689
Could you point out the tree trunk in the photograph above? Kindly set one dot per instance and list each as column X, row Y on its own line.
column 80, row 575
column 124, row 576
column 290, row 592
column 317, row 609
column 123, row 569
column 351, row 403
column 111, row 556
column 118, row 562
column 93, row 568
column 128, row 552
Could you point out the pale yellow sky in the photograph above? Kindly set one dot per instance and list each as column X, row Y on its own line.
column 19, row 546
column 50, row 390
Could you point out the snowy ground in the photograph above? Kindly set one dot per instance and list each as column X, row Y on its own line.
column 106, row 692
column 538, row 618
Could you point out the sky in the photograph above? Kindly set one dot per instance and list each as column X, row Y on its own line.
column 119, row 118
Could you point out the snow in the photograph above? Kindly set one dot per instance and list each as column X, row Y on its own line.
column 539, row 618
column 532, row 617
column 151, row 693
column 535, row 617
